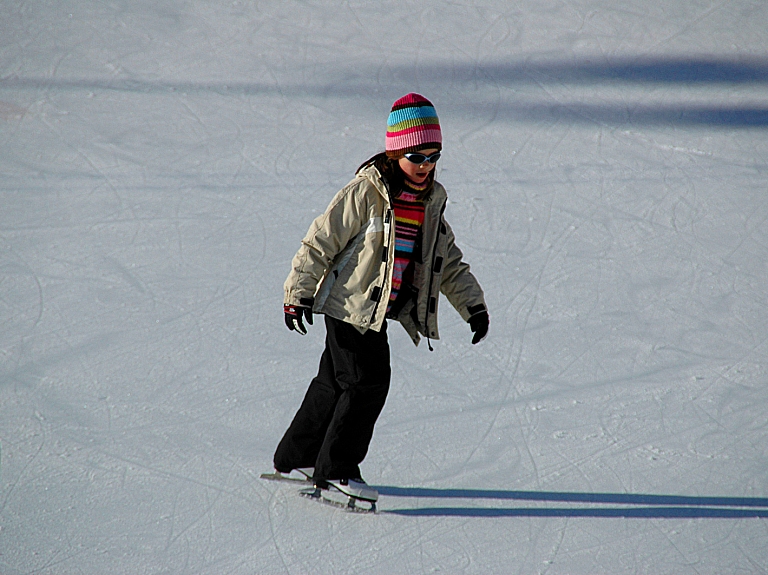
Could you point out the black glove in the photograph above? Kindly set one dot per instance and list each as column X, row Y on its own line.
column 294, row 314
column 479, row 325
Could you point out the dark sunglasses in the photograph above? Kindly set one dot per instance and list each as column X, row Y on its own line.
column 421, row 158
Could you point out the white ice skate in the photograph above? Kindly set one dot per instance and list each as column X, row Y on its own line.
column 356, row 488
column 351, row 494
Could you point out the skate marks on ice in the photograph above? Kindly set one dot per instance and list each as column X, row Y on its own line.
column 10, row 111
column 605, row 505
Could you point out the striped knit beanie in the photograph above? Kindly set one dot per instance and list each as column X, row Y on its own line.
column 412, row 125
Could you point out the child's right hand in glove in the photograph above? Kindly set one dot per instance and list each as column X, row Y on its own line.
column 294, row 315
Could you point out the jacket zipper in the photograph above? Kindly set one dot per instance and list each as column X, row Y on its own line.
column 432, row 275
column 385, row 259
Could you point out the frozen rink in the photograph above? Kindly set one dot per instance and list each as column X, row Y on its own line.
column 606, row 165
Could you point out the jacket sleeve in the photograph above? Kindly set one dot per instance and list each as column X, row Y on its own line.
column 327, row 236
column 458, row 284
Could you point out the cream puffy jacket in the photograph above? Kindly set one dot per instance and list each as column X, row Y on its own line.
column 345, row 262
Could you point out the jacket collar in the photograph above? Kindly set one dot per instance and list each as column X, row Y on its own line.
column 371, row 173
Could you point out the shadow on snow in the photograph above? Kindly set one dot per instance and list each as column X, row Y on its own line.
column 637, row 506
column 350, row 83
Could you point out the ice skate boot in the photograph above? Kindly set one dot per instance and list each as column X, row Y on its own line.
column 356, row 488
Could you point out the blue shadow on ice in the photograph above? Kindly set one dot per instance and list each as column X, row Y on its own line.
column 350, row 84
column 637, row 115
column 598, row 512
column 661, row 70
column 659, row 506
column 568, row 497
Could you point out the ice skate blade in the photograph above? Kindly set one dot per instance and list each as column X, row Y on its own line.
column 337, row 499
column 277, row 476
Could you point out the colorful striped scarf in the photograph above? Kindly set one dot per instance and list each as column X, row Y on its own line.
column 409, row 217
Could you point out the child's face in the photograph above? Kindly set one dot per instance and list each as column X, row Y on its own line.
column 417, row 173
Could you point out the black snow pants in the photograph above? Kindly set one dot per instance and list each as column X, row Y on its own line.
column 334, row 425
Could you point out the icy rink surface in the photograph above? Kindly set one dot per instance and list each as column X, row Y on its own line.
column 606, row 165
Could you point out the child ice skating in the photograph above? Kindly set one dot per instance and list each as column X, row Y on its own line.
column 381, row 252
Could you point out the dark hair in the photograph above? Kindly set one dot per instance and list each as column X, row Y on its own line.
column 393, row 176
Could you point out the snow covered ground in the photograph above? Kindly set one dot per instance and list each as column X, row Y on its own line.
column 606, row 163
